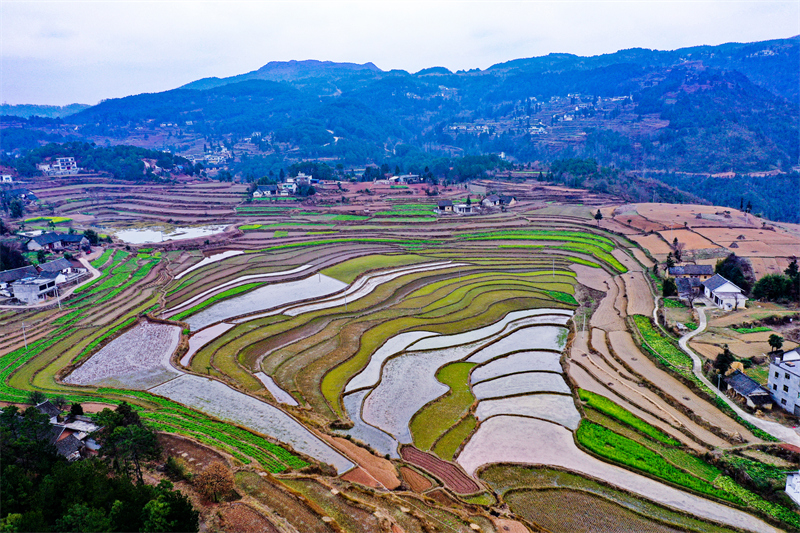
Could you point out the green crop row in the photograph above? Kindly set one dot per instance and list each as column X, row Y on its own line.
column 280, row 233
column 623, row 450
column 103, row 281
column 757, row 502
column 562, row 297
column 345, row 218
column 553, row 235
column 673, row 303
column 752, row 330
column 596, row 252
column 614, row 410
column 670, row 354
column 100, row 261
column 214, row 299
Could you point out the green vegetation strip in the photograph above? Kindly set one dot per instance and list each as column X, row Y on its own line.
column 614, row 410
column 625, row 451
column 436, row 418
column 752, row 330
column 100, row 261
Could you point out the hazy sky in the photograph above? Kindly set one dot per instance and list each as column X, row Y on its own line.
column 60, row 52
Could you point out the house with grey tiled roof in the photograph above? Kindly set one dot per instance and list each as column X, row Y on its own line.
column 725, row 294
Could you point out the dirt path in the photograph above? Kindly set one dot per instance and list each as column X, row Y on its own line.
column 777, row 430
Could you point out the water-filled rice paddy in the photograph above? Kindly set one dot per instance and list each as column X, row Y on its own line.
column 371, row 374
column 223, row 402
column 556, row 408
column 266, row 297
column 278, row 393
column 379, row 440
column 526, row 361
column 528, row 382
column 532, row 338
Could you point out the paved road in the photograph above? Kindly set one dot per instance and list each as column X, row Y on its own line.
column 773, row 428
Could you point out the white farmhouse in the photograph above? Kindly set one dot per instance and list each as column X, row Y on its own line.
column 723, row 293
column 793, row 487
column 784, row 380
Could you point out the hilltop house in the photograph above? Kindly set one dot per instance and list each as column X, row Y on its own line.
column 491, row 201
column 444, row 206
column 793, row 487
column 723, row 293
column 464, row 209
column 66, row 269
column 507, row 200
column 35, row 289
column 784, row 380
column 7, row 277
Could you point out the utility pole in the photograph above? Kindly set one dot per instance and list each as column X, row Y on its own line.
column 58, row 298
column 24, row 337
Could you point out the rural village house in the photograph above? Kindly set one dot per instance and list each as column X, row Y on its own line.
column 724, row 293
column 56, row 241
column 741, row 386
column 688, row 287
column 71, row 437
column 784, row 380
column 62, row 166
column 702, row 272
column 793, row 487
column 7, row 277
column 265, row 191
column 444, row 206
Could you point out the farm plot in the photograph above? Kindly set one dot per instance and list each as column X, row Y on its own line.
column 201, row 338
column 208, row 260
column 568, row 511
column 528, row 338
column 278, row 393
column 137, row 359
column 556, row 408
column 220, row 401
column 232, row 283
column 447, row 473
column 526, row 361
column 524, row 383
column 377, row 439
column 692, row 240
column 505, row 439
column 270, row 296
column 371, row 374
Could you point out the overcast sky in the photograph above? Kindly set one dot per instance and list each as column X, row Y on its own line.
column 60, row 52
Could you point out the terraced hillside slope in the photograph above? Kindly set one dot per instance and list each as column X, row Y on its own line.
column 394, row 373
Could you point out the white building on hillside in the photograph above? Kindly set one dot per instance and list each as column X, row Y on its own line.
column 784, row 381
column 723, row 293
column 793, row 487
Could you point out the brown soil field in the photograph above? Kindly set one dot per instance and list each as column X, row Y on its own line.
column 381, row 469
column 241, row 518
column 637, row 289
column 692, row 240
column 607, row 317
column 510, row 526
column 763, row 249
column 196, row 455
column 759, row 310
column 639, row 222
column 359, row 475
column 627, row 350
column 674, row 215
column 415, row 480
column 653, row 243
column 594, row 278
column 709, row 346
column 725, row 236
column 452, row 477
column 641, row 257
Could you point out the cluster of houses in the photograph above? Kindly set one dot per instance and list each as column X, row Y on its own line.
column 71, row 435
column 287, row 188
column 34, row 284
column 444, row 207
column 696, row 280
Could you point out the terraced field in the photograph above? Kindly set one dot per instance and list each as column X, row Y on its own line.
column 451, row 355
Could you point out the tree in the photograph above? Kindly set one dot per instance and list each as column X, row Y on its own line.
column 91, row 236
column 670, row 261
column 15, row 208
column 598, row 217
column 669, row 288
column 775, row 342
column 35, row 397
column 733, row 269
column 772, row 287
column 215, row 481
column 793, row 274
column 41, row 255
column 723, row 361
column 126, row 443
column 75, row 409
column 11, row 256
column 59, row 401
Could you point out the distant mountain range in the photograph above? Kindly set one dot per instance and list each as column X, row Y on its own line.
column 728, row 108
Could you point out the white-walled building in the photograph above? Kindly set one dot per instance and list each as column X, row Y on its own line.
column 724, row 293
column 784, row 381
